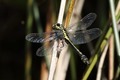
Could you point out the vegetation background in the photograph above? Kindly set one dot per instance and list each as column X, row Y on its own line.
column 18, row 60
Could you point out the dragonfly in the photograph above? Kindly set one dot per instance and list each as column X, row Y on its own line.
column 79, row 35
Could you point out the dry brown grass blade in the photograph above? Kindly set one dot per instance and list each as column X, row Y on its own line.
column 111, row 58
column 77, row 11
column 69, row 13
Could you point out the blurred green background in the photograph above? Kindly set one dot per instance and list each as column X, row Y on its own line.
column 18, row 60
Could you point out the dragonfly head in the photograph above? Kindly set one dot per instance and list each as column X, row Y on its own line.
column 57, row 26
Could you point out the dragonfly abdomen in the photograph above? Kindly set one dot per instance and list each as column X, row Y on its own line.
column 83, row 57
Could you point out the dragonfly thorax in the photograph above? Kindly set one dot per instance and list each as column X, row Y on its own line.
column 58, row 34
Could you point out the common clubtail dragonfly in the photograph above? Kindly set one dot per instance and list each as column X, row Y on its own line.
column 73, row 36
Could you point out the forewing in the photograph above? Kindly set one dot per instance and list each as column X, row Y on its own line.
column 40, row 38
column 83, row 23
column 81, row 37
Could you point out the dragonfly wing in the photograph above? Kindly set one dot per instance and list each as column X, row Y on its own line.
column 83, row 23
column 40, row 38
column 81, row 37
column 43, row 51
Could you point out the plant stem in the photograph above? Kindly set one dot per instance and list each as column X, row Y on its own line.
column 64, row 57
column 111, row 59
column 117, row 41
column 61, row 11
column 54, row 55
column 102, row 59
column 53, row 61
column 28, row 56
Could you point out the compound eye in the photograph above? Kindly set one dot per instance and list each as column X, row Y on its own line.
column 58, row 24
